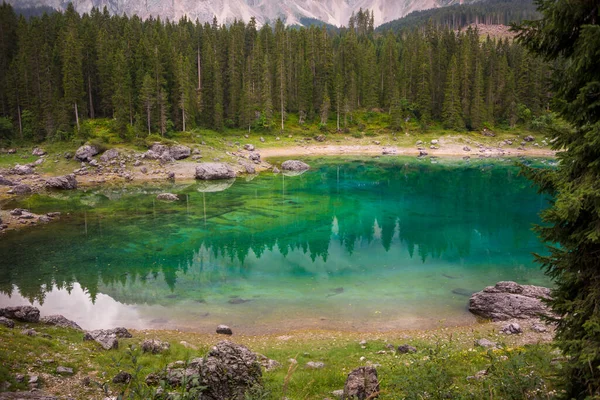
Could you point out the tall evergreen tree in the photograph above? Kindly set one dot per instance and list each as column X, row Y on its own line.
column 451, row 115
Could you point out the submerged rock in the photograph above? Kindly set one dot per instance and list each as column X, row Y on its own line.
column 66, row 182
column 21, row 313
column 507, row 300
column 361, row 384
column 213, row 171
column 59, row 320
column 294, row 165
column 167, row 197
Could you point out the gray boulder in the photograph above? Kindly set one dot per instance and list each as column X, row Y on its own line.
column 65, row 182
column 20, row 189
column 406, row 348
column 167, row 197
column 22, row 170
column 21, row 313
column 180, row 152
column 64, row 370
column 107, row 338
column 159, row 148
column 122, row 377
column 485, row 343
column 151, row 155
column 361, row 384
column 315, row 365
column 86, row 152
column 108, row 155
column 213, row 171
column 5, row 182
column 507, row 300
column 529, row 138
column 9, row 323
column 294, row 165
column 229, row 371
column 59, row 320
column 38, row 152
column 154, row 346
column 224, row 330
column 511, row 329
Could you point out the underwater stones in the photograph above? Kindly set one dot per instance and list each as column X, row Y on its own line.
column 224, row 330
column 22, row 170
column 507, row 300
column 406, row 348
column 155, row 346
column 361, row 384
column 8, row 323
column 21, row 313
column 38, row 152
column 86, row 152
column 65, row 182
column 511, row 329
column 59, row 320
column 167, row 197
column 294, row 165
column 214, row 171
column 462, row 292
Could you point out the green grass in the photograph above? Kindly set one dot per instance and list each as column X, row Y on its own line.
column 439, row 369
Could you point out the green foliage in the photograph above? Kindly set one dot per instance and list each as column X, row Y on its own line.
column 569, row 34
column 6, row 128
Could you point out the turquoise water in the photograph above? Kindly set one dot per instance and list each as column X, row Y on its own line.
column 363, row 244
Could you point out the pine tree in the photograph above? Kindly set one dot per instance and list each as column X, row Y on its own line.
column 148, row 99
column 451, row 115
column 72, row 72
column 570, row 32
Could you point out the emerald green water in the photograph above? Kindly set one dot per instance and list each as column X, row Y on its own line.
column 363, row 244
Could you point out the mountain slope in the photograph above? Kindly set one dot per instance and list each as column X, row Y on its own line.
column 334, row 12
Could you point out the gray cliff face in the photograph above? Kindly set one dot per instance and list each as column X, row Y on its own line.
column 334, row 12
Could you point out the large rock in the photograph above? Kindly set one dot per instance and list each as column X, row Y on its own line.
column 294, row 165
column 21, row 313
column 59, row 320
column 38, row 152
column 213, row 171
column 362, row 383
column 9, row 323
column 86, row 152
column 180, row 152
column 107, row 338
column 109, row 155
column 229, row 371
column 20, row 189
column 155, row 346
column 5, row 182
column 507, row 300
column 22, row 170
column 66, row 182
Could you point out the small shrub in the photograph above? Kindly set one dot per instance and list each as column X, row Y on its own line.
column 357, row 135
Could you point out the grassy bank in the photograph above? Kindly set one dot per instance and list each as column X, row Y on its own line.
column 446, row 365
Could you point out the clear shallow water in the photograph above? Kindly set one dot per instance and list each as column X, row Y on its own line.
column 366, row 244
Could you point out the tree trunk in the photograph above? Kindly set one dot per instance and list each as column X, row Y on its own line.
column 183, row 117
column 76, row 116
column 148, row 117
column 92, row 114
column 20, row 122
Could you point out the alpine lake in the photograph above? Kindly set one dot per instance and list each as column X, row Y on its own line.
column 359, row 244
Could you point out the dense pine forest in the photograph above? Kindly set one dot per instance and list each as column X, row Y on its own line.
column 152, row 76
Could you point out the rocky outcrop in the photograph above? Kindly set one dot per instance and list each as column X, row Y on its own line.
column 180, row 152
column 229, row 371
column 86, row 152
column 361, row 384
column 294, row 165
column 20, row 189
column 59, row 320
column 107, row 338
column 66, row 182
column 507, row 300
column 167, row 197
column 21, row 313
column 213, row 171
column 6, row 182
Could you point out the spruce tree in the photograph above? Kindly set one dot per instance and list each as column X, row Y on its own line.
column 570, row 32
column 451, row 115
